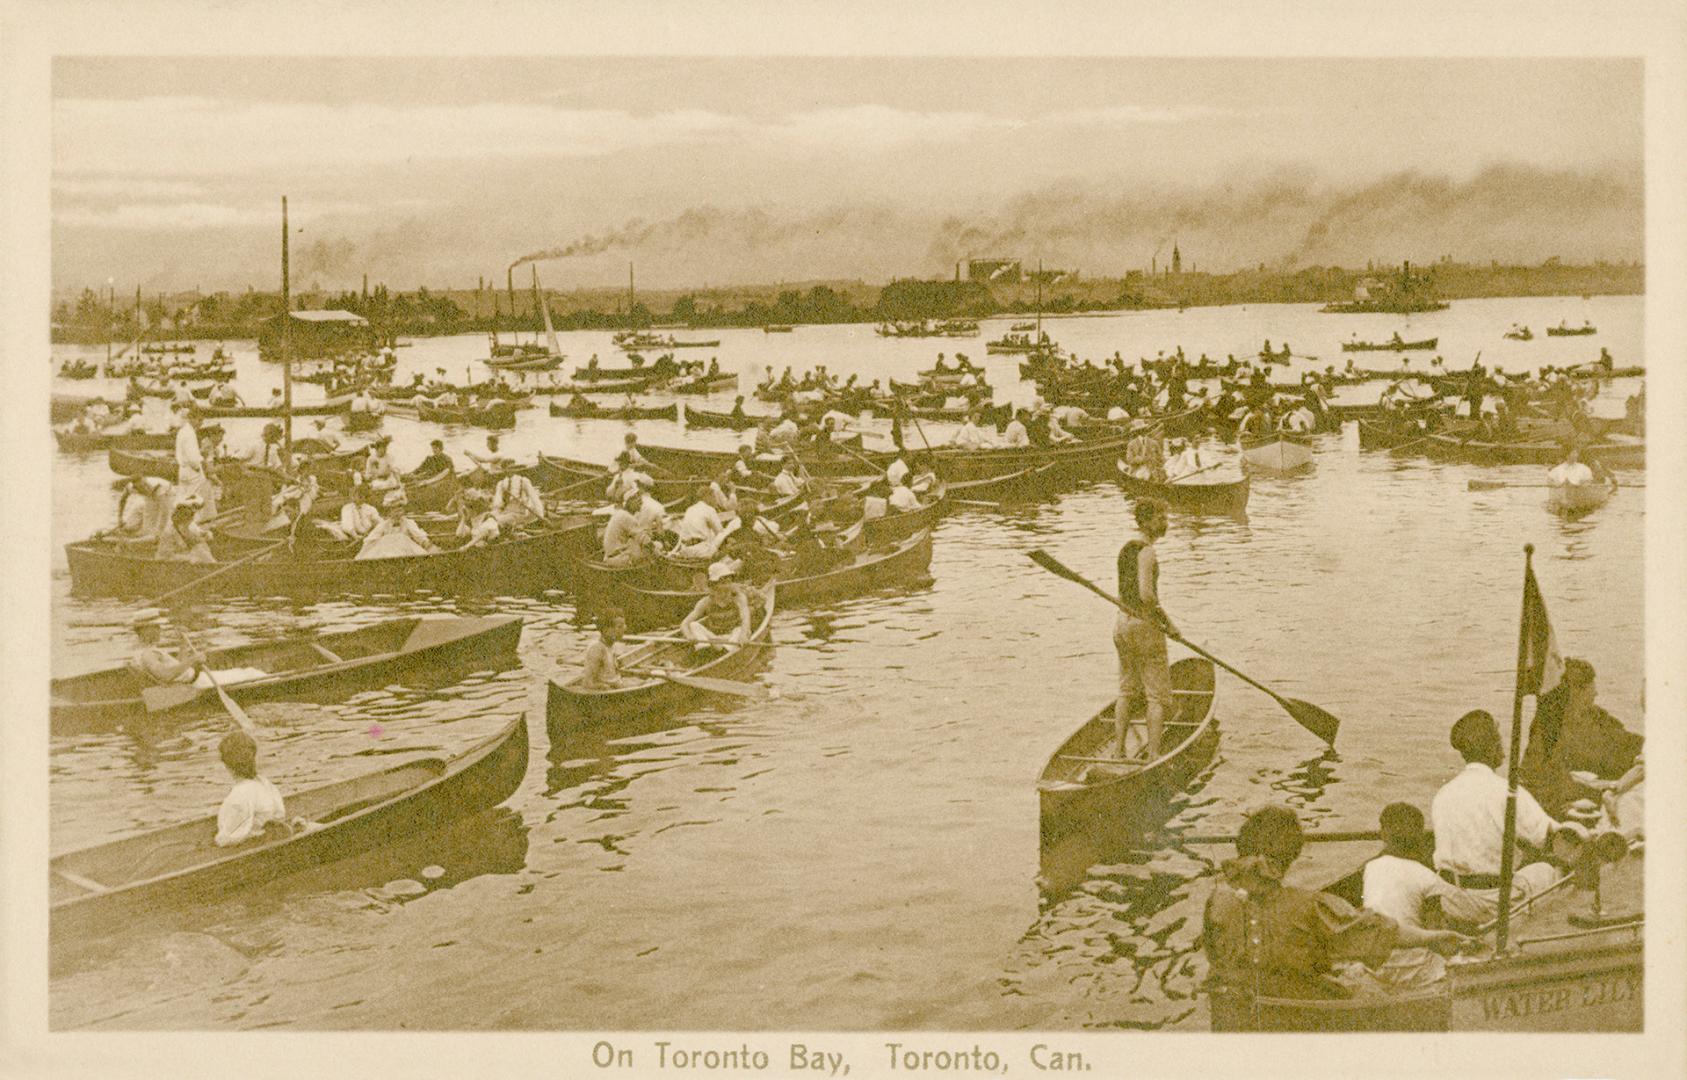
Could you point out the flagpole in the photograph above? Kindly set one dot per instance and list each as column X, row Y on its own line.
column 1508, row 840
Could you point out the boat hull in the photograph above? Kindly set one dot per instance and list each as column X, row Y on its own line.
column 357, row 815
column 1277, row 454
column 1571, row 499
column 1230, row 497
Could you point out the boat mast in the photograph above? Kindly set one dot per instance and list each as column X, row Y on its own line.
column 630, row 296
column 286, row 356
column 509, row 283
column 1039, row 301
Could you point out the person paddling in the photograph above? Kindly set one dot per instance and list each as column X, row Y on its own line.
column 1139, row 635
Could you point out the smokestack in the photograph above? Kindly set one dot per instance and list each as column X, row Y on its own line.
column 365, row 286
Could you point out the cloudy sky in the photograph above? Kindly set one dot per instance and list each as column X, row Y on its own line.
column 168, row 173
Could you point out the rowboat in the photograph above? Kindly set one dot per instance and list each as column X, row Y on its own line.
column 1570, row 331
column 1277, row 452
column 896, row 524
column 520, row 563
column 909, row 560
column 82, row 442
column 274, row 412
column 1568, row 970
column 1616, row 451
column 1572, row 499
column 1388, row 346
column 103, row 888
column 568, row 706
column 1215, row 497
column 524, row 363
column 594, row 411
column 1112, row 806
column 297, row 666
column 491, row 414
column 777, row 328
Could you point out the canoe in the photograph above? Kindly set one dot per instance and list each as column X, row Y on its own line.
column 909, row 560
column 705, row 418
column 612, row 386
column 643, row 372
column 162, row 464
column 1388, row 346
column 361, row 421
column 616, row 412
column 299, row 666
column 494, row 414
column 1113, row 807
column 706, row 384
column 274, row 412
column 1083, row 459
column 1207, row 497
column 1025, row 483
column 520, row 563
column 1565, row 973
column 105, row 887
column 1571, row 331
column 1616, row 451
column 569, row 707
column 524, row 363
column 1571, row 499
column 83, row 442
column 895, row 525
column 1277, row 452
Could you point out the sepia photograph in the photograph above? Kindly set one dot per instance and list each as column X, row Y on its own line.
column 854, row 563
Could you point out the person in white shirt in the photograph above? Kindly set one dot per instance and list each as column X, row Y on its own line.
column 268, row 454
column 1399, row 883
column 787, row 483
column 357, row 518
column 515, row 501
column 253, row 803
column 1468, row 817
column 144, row 507
column 897, row 472
column 379, row 472
column 969, row 380
column 785, row 432
column 971, row 436
column 1572, row 470
column 1058, row 434
column 701, row 528
column 902, row 498
column 624, row 542
column 652, row 516
column 1301, row 419
column 1184, row 460
column 476, row 523
column 190, row 466
column 627, row 478
column 1015, row 435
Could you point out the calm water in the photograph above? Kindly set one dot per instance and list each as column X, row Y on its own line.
column 861, row 851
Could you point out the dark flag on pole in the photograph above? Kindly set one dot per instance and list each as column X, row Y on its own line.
column 1539, row 667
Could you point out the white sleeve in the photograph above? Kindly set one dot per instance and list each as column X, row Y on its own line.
column 1533, row 823
column 235, row 819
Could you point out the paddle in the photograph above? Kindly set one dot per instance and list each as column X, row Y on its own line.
column 1307, row 715
column 750, row 691
column 219, row 571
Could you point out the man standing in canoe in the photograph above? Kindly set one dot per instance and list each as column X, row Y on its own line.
column 1139, row 634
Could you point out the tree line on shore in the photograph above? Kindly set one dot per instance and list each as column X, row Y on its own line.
column 93, row 318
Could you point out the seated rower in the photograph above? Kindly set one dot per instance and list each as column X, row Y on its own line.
column 269, row 453
column 971, row 436
column 1185, row 460
column 494, row 462
column 1399, row 883
column 902, row 498
column 701, row 529
column 898, row 471
column 358, row 517
column 626, row 477
column 601, row 672
column 155, row 665
column 435, row 464
column 1265, row 937
column 784, row 433
column 1299, row 420
column 1576, row 749
column 185, row 540
column 515, row 501
column 476, row 523
column 253, row 804
column 1015, row 435
column 379, row 472
column 788, row 484
column 724, row 597
column 744, row 468
column 1468, row 814
column 624, row 540
column 1572, row 470
column 1058, row 435
column 922, row 479
column 629, row 447
column 652, row 516
column 395, row 535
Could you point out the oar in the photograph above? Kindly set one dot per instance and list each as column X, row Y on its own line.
column 1309, row 716
column 1197, row 472
column 218, row 572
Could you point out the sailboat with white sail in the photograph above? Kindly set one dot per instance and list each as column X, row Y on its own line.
column 534, row 356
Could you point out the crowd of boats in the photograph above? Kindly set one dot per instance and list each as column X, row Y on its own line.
column 679, row 556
